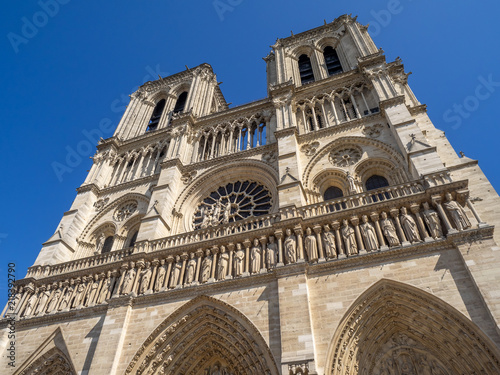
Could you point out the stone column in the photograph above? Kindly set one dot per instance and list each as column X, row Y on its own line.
column 247, row 244
column 230, row 248
column 436, row 199
column 415, row 208
column 155, row 264
column 170, row 260
column 338, row 238
column 184, row 257
column 215, row 251
column 359, row 240
column 139, row 265
column 279, row 236
column 375, row 218
column 263, row 243
column 317, row 230
column 300, row 245
column 394, row 213
column 28, row 291
column 199, row 255
column 474, row 212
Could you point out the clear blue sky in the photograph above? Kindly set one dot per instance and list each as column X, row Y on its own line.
column 68, row 69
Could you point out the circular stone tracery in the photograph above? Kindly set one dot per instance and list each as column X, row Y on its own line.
column 125, row 211
column 233, row 202
column 345, row 156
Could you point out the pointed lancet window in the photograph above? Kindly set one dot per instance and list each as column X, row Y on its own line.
column 332, row 61
column 181, row 102
column 305, row 69
column 155, row 117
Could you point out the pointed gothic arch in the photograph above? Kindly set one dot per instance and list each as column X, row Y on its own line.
column 395, row 328
column 204, row 333
column 51, row 358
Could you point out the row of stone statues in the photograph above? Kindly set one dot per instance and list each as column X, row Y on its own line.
column 378, row 231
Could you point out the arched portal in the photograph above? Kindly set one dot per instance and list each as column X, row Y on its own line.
column 204, row 336
column 397, row 329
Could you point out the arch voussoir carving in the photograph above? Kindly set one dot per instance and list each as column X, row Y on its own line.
column 203, row 334
column 395, row 328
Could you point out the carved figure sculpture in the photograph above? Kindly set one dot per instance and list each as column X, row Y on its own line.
column 30, row 304
column 227, row 213
column 389, row 230
column 216, row 213
column 239, row 258
column 190, row 269
column 54, row 300
column 272, row 249
column 80, row 290
column 290, row 247
column 176, row 272
column 160, row 276
column 145, row 279
column 106, row 288
column 222, row 266
column 66, row 297
column 369, row 234
column 409, row 226
column 129, row 280
column 352, row 183
column 92, row 291
column 457, row 213
column 349, row 238
column 255, row 256
column 431, row 218
column 311, row 245
column 44, row 297
column 329, row 241
column 206, row 267
column 205, row 219
column 100, row 243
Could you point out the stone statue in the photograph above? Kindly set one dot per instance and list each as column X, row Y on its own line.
column 80, row 290
column 206, row 267
column 100, row 243
column 216, row 213
column 227, row 213
column 93, row 291
column 104, row 290
column 129, row 280
column 431, row 218
column 409, row 226
column 352, row 183
column 190, row 269
column 457, row 213
column 160, row 276
column 28, row 310
column 145, row 279
column 66, row 297
column 311, row 245
column 290, row 247
column 222, row 266
column 44, row 297
column 389, row 231
column 205, row 219
column 272, row 250
column 54, row 300
column 255, row 256
column 368, row 233
column 176, row 272
column 349, row 238
column 329, row 241
column 239, row 260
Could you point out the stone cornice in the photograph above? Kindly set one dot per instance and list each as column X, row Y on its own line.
column 88, row 187
column 129, row 184
column 329, row 84
column 282, row 133
column 391, row 102
column 417, row 110
column 374, row 59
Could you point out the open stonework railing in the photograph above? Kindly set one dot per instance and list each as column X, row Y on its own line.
column 38, row 272
column 414, row 219
column 355, row 201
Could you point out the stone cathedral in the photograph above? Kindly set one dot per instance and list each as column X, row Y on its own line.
column 329, row 228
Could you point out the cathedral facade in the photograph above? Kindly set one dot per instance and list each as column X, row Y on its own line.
column 329, row 228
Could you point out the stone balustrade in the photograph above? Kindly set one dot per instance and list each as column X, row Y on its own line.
column 321, row 238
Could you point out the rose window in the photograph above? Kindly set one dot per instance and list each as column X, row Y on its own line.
column 345, row 157
column 125, row 211
column 233, row 202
